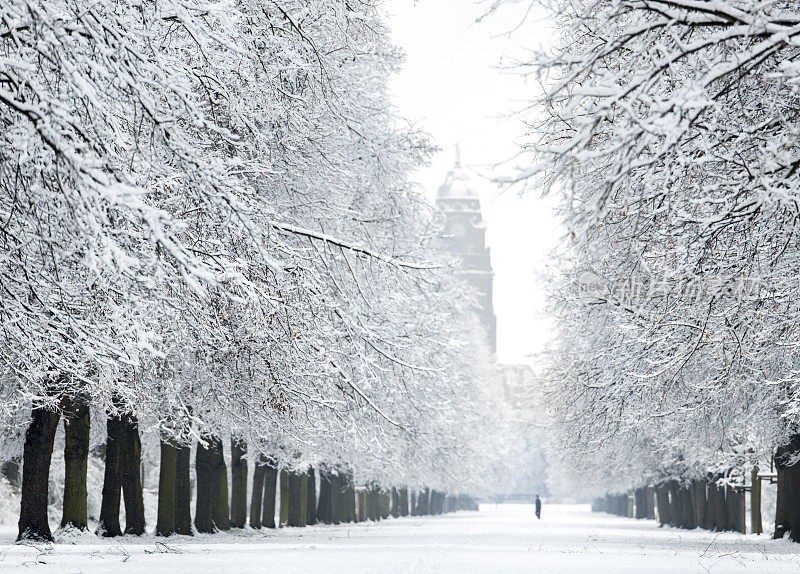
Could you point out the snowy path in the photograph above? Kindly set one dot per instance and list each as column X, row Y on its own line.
column 498, row 539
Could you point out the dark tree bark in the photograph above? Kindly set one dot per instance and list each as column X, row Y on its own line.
column 311, row 498
column 640, row 499
column 296, row 516
column 284, row 493
column 730, row 509
column 708, row 518
column 36, row 458
column 787, row 511
column 183, row 491
column 76, row 456
column 716, row 502
column 736, row 510
column 351, row 498
column 324, row 502
column 204, row 468
column 755, row 503
column 220, row 511
column 719, row 512
column 238, row 483
column 257, row 494
column 651, row 503
column 740, row 506
column 335, row 498
column 377, row 502
column 784, row 501
column 423, row 502
column 165, row 525
column 697, row 494
column 687, row 509
column 662, row 499
column 675, row 509
column 395, row 511
column 369, row 502
column 108, row 525
column 403, row 502
column 131, row 474
column 361, row 501
column 270, row 494
column 11, row 471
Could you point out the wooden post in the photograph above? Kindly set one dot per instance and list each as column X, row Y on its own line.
column 755, row 504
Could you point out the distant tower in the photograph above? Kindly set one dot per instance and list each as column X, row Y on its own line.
column 465, row 238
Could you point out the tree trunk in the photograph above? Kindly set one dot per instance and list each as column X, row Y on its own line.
column 238, row 483
column 36, row 457
column 698, row 501
column 131, row 474
column 361, row 505
column 257, row 494
column 335, row 499
column 687, row 508
column 738, row 512
column 640, row 496
column 165, row 525
column 730, row 508
column 183, row 490
column 270, row 494
column 651, row 503
column 787, row 510
column 11, row 471
column 674, row 504
column 350, row 494
column 220, row 510
column 204, row 467
column 720, row 515
column 712, row 510
column 423, row 502
column 296, row 516
column 108, row 525
column 324, row 502
column 395, row 511
column 662, row 499
column 311, row 498
column 404, row 502
column 303, row 498
column 284, row 492
column 755, row 503
column 741, row 517
column 76, row 456
column 369, row 502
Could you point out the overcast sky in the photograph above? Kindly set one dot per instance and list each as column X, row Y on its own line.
column 452, row 86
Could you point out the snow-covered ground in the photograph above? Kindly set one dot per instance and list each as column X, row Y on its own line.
column 504, row 538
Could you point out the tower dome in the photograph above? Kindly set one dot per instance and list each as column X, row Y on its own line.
column 457, row 185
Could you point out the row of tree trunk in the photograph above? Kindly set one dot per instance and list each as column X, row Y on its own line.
column 703, row 503
column 122, row 480
column 215, row 510
column 700, row 503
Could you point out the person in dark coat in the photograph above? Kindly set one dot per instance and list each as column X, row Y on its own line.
column 538, row 504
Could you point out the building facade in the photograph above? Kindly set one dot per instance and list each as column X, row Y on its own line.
column 464, row 236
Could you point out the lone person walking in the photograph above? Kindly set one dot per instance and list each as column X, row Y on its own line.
column 538, row 507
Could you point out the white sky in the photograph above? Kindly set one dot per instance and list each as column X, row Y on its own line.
column 452, row 87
